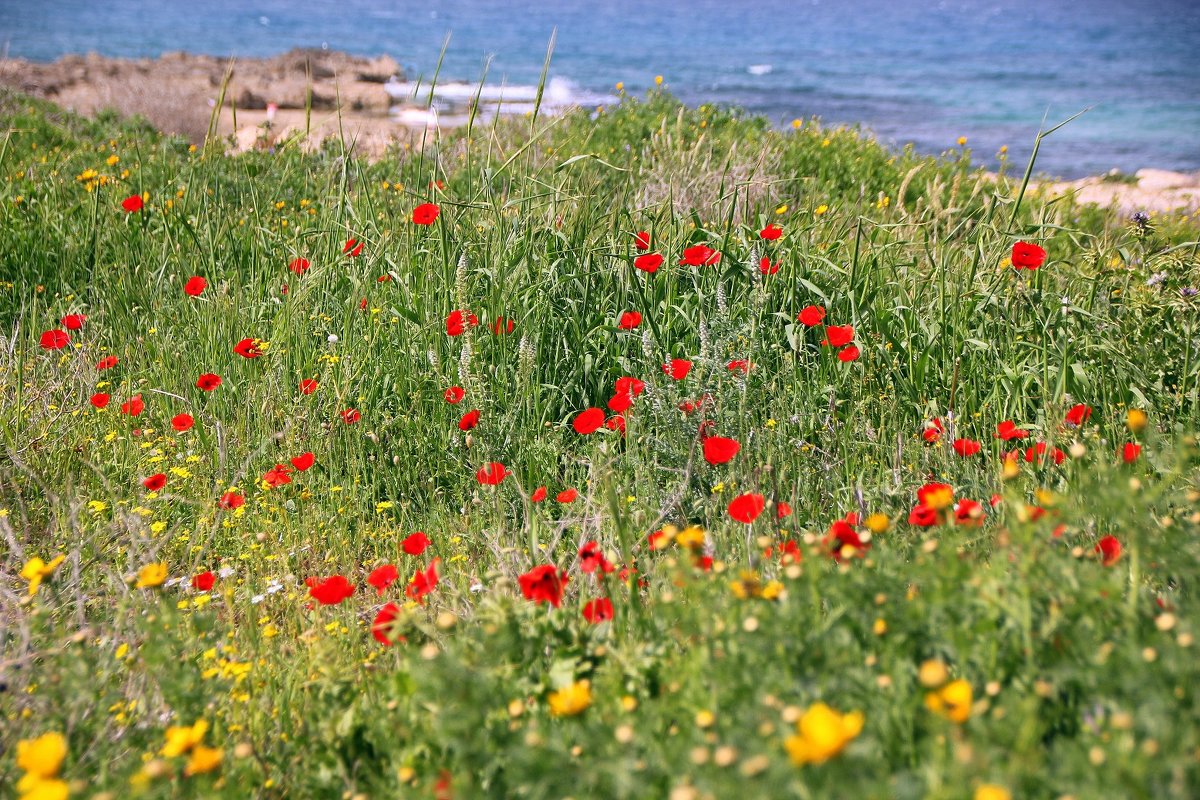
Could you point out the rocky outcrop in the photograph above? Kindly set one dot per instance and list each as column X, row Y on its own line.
column 177, row 91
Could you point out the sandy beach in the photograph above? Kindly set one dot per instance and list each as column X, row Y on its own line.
column 346, row 96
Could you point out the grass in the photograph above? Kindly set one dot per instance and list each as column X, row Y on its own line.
column 1067, row 673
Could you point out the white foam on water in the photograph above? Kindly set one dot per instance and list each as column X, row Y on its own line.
column 760, row 69
column 452, row 100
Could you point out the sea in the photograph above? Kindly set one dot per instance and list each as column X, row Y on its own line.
column 918, row 72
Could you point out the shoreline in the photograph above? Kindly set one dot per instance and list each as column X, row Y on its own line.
column 350, row 96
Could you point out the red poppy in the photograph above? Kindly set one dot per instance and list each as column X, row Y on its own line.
column 591, row 558
column 588, row 421
column 650, row 262
column 923, row 516
column 1078, row 414
column 620, row 402
column 415, row 543
column 457, row 321
column 383, row 622
column 133, row 406
column 425, row 214
column 627, row 384
column 678, row 368
column 1130, row 452
column 1109, row 549
column 1027, row 256
column 303, row 461
column 746, row 508
column 100, row 400
column 782, row 510
column 566, row 496
column 491, row 473
column 967, row 447
column 468, row 421
column 1008, row 431
column 771, row 232
column 932, row 432
column 383, row 577
column 968, row 512
column 299, row 265
column 308, row 386
column 454, row 395
column 208, row 381
column 329, row 591
column 935, row 495
column 248, row 348
column 843, row 541
column 231, row 501
column 277, row 476
column 700, row 255
column 839, row 335
column 848, row 354
column 195, row 286
column 352, row 248
column 502, row 326
column 108, row 362
column 629, row 320
column 204, row 581
column 133, row 204
column 54, row 340
column 766, row 267
column 543, row 584
column 155, row 482
column 597, row 611
column 539, row 494
column 720, row 450
column 641, row 241
column 73, row 322
column 739, row 365
column 1037, row 452
column 616, row 423
column 182, row 422
column 351, row 416
column 423, row 582
column 812, row 316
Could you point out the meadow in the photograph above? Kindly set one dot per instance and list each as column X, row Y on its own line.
column 643, row 453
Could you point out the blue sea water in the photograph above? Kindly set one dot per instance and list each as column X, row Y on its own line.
column 909, row 70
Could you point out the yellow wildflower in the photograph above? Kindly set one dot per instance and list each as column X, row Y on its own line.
column 151, row 575
column 571, row 700
column 821, row 734
column 990, row 791
column 182, row 738
column 691, row 537
column 878, row 523
column 932, row 673
column 952, row 701
column 36, row 570
column 42, row 757
column 203, row 759
column 39, row 789
column 821, row 209
column 1136, row 420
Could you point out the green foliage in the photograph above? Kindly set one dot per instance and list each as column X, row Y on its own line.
column 1083, row 675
